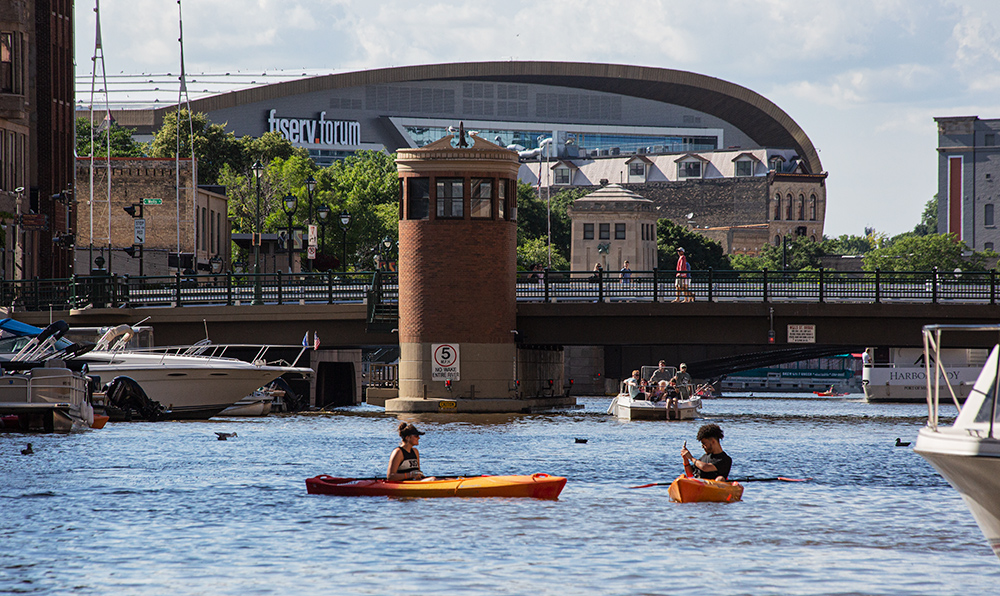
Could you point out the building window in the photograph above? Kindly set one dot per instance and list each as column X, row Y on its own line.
column 8, row 66
column 802, row 207
column 637, row 171
column 588, row 231
column 776, row 163
column 777, row 240
column 744, row 167
column 689, row 169
column 788, row 208
column 812, row 207
column 990, row 139
column 605, row 231
column 777, row 206
column 988, row 246
column 988, row 215
column 482, row 198
column 561, row 176
column 501, row 198
column 419, row 198
column 619, row 231
column 449, row 198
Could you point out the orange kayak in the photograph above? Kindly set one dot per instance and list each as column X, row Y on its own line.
column 536, row 486
column 697, row 490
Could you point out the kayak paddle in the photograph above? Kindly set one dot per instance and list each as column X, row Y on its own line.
column 747, row 479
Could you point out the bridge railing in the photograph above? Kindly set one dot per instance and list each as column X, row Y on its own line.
column 112, row 291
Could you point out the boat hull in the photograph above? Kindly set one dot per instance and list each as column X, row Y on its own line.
column 909, row 383
column 972, row 467
column 697, row 490
column 626, row 408
column 536, row 486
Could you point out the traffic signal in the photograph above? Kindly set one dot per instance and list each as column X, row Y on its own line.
column 130, row 251
column 135, row 210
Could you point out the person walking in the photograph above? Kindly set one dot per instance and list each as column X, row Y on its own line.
column 683, row 278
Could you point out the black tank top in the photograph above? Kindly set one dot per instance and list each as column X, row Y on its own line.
column 409, row 463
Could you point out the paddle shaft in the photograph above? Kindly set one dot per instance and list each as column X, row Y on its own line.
column 747, row 479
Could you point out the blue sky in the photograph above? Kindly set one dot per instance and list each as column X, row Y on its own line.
column 863, row 78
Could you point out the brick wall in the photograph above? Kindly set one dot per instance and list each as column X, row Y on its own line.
column 456, row 281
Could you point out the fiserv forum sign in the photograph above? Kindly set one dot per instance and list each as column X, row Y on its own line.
column 303, row 131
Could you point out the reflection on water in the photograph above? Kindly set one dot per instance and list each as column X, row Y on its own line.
column 166, row 508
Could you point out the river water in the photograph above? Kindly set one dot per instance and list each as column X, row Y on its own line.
column 165, row 508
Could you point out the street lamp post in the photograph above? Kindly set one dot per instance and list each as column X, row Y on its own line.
column 310, row 186
column 323, row 211
column 258, row 169
column 345, row 222
column 290, row 204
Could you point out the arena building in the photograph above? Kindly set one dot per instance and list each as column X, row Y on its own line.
column 704, row 145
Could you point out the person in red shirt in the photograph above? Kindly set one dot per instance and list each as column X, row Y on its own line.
column 683, row 278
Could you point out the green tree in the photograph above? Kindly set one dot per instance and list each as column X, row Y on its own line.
column 928, row 220
column 848, row 245
column 923, row 253
column 534, row 251
column 214, row 147
column 533, row 217
column 366, row 185
column 122, row 143
column 702, row 252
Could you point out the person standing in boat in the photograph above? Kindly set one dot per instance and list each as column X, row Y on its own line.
column 660, row 374
column 404, row 463
column 715, row 464
column 684, row 381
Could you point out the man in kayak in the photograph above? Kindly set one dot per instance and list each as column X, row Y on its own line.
column 715, row 464
column 404, row 463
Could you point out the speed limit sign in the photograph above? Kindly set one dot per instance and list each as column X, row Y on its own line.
column 445, row 362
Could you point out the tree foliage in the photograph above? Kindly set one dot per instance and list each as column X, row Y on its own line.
column 122, row 143
column 702, row 252
column 533, row 217
column 213, row 146
column 924, row 253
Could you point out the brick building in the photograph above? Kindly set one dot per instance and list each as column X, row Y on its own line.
column 36, row 137
column 198, row 226
column 740, row 198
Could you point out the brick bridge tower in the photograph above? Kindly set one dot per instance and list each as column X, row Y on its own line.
column 457, row 274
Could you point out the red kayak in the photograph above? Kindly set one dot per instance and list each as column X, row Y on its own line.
column 536, row 486
column 828, row 394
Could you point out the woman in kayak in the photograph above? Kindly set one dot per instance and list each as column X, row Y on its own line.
column 404, row 463
column 715, row 464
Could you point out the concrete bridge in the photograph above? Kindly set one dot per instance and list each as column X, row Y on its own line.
column 630, row 332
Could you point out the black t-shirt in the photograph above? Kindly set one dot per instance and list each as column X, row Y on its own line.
column 722, row 462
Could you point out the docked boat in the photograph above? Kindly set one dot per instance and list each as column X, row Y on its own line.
column 899, row 374
column 43, row 394
column 258, row 403
column 967, row 453
column 535, row 486
column 190, row 382
column 698, row 490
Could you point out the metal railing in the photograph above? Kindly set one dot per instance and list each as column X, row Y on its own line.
column 113, row 291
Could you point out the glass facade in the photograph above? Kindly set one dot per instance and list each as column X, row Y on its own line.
column 602, row 143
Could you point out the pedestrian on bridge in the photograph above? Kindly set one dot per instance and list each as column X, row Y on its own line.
column 683, row 278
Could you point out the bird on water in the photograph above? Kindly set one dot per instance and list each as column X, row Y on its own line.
column 224, row 436
column 27, row 450
column 900, row 443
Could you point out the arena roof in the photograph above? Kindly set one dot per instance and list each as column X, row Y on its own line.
column 763, row 121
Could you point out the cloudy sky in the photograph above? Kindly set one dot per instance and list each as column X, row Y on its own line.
column 863, row 78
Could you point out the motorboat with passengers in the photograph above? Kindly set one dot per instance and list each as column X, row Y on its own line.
column 645, row 406
column 967, row 453
column 190, row 382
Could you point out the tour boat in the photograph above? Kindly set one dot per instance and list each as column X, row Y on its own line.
column 967, row 453
column 902, row 378
column 698, row 490
column 536, row 486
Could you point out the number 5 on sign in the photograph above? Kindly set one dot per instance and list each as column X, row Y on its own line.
column 445, row 362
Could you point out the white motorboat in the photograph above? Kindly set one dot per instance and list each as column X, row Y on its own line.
column 628, row 408
column 902, row 377
column 190, row 382
column 967, row 453
column 258, row 403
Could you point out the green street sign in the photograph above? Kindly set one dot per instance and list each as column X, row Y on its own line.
column 152, row 201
